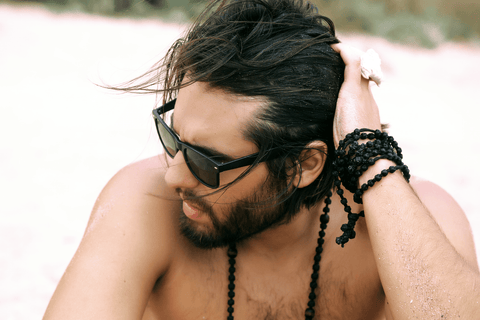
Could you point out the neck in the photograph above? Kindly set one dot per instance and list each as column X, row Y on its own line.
column 271, row 241
column 286, row 240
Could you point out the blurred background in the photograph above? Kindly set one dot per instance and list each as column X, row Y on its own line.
column 62, row 137
column 424, row 22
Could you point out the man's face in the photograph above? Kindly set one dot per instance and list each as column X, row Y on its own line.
column 213, row 120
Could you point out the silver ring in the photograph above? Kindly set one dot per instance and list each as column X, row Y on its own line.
column 370, row 63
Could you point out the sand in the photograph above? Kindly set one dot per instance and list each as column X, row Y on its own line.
column 62, row 138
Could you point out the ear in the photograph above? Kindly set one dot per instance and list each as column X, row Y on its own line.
column 311, row 162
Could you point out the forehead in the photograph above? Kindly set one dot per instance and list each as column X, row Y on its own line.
column 212, row 118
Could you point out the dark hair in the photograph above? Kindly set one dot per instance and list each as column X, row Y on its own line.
column 275, row 49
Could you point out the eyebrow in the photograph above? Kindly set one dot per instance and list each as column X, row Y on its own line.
column 212, row 153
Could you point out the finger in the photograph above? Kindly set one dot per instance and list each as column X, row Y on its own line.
column 350, row 55
column 352, row 58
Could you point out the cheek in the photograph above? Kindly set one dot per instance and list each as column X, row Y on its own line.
column 245, row 186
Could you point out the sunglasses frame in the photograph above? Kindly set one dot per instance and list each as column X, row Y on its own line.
column 183, row 146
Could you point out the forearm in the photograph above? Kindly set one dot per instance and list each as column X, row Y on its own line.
column 422, row 274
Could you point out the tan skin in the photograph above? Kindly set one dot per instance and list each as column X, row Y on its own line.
column 134, row 264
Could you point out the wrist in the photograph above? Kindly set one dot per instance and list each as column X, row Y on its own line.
column 372, row 171
column 359, row 166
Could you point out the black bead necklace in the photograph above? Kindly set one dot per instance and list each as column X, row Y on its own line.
column 351, row 161
column 309, row 312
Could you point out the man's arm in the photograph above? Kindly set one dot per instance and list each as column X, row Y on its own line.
column 127, row 246
column 424, row 250
column 421, row 240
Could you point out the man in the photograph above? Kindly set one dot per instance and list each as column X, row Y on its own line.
column 255, row 87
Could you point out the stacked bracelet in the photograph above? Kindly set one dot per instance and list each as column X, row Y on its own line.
column 353, row 159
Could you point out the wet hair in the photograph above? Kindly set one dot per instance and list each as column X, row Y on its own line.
column 278, row 51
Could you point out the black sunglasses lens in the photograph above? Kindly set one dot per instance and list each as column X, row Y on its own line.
column 167, row 139
column 202, row 168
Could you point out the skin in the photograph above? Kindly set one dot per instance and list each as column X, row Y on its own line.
column 426, row 259
column 413, row 257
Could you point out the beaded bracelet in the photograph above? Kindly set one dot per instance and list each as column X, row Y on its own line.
column 349, row 166
column 353, row 159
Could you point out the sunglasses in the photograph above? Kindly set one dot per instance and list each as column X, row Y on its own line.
column 202, row 166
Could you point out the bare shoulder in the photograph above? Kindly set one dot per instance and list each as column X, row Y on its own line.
column 137, row 205
column 128, row 244
column 448, row 215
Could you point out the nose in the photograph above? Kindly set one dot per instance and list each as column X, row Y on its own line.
column 178, row 175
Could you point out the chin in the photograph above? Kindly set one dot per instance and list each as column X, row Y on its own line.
column 201, row 236
column 243, row 219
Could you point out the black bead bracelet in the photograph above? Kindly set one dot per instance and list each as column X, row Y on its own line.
column 353, row 159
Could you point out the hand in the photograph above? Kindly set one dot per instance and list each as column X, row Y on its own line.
column 356, row 107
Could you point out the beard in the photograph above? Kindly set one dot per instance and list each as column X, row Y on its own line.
column 263, row 209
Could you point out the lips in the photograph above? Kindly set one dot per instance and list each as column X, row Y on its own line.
column 190, row 211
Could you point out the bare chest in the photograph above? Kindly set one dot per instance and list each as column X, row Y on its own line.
column 349, row 288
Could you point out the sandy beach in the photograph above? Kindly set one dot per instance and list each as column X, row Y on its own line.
column 62, row 138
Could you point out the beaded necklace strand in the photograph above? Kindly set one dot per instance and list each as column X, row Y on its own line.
column 309, row 312
column 351, row 161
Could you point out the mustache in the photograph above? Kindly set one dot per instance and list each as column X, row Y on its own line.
column 195, row 200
